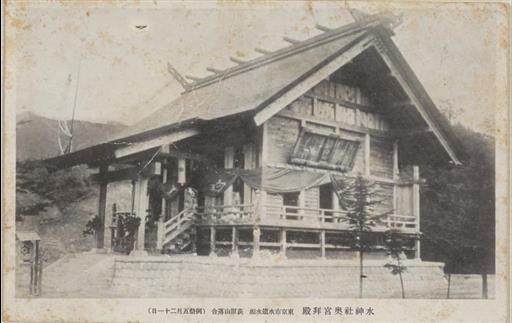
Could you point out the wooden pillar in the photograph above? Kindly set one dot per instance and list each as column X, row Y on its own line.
column 234, row 241
column 335, row 206
column 161, row 219
column 141, row 207
column 249, row 163
column 229, row 157
column 107, row 233
column 283, row 243
column 396, row 175
column 212, row 241
column 416, row 206
column 256, row 234
column 102, row 204
column 367, row 156
column 263, row 149
column 302, row 203
column 182, row 171
column 322, row 243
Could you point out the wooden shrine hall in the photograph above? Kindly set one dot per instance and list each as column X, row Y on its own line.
column 247, row 159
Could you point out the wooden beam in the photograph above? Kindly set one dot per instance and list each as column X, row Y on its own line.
column 262, row 51
column 193, row 78
column 404, row 133
column 213, row 70
column 177, row 76
column 116, row 176
column 335, row 124
column 156, row 142
column 181, row 154
column 291, row 40
column 310, row 81
column 344, row 103
column 323, row 28
column 419, row 106
column 402, row 104
column 236, row 60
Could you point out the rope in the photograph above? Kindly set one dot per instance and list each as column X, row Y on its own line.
column 150, row 160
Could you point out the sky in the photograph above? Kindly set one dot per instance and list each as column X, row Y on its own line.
column 119, row 71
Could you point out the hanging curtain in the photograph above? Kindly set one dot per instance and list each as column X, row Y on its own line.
column 268, row 179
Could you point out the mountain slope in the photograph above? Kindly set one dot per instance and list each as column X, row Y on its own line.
column 36, row 136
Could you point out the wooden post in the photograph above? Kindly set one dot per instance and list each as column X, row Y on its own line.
column 396, row 175
column 234, row 241
column 322, row 244
column 141, row 207
column 229, row 156
column 416, row 206
column 161, row 219
column 102, row 204
column 263, row 151
column 107, row 233
column 260, row 198
column 212, row 241
column 182, row 170
column 256, row 233
column 484, row 287
column 367, row 155
column 283, row 243
column 335, row 206
column 249, row 163
column 302, row 204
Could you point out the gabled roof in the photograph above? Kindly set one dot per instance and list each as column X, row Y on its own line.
column 249, row 87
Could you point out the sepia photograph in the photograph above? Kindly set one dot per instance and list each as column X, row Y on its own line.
column 321, row 150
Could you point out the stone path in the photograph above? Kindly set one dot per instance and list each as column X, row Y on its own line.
column 79, row 275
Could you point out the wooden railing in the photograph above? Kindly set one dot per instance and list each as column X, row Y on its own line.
column 245, row 213
column 395, row 221
column 285, row 212
column 226, row 212
column 177, row 224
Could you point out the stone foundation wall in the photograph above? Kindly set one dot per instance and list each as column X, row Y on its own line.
column 232, row 277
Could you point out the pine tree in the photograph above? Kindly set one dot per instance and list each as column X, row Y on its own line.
column 395, row 244
column 358, row 197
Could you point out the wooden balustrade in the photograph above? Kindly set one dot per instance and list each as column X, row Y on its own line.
column 244, row 214
column 220, row 212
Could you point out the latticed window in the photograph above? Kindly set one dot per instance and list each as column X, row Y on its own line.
column 324, row 150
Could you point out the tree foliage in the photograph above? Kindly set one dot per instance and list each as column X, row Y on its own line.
column 37, row 188
column 395, row 243
column 358, row 198
column 458, row 208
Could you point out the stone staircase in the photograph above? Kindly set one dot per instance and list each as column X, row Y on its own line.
column 87, row 274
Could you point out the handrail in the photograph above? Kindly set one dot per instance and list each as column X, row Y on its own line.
column 297, row 213
column 173, row 226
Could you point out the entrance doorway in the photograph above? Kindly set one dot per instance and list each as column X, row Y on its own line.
column 326, row 201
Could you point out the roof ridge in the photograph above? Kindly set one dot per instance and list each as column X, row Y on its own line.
column 326, row 36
